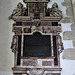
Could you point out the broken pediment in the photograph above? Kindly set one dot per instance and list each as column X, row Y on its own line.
column 36, row 9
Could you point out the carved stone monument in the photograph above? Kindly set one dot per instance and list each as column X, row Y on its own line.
column 37, row 42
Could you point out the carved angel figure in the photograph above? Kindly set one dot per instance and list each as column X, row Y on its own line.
column 54, row 11
column 19, row 11
column 14, row 43
column 60, row 44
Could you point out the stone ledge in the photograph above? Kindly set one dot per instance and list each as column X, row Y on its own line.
column 69, row 11
column 74, row 43
column 67, row 1
column 69, row 54
column 69, row 35
column 66, row 4
column 73, row 27
column 67, row 20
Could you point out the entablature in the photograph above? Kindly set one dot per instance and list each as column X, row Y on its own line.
column 32, row 1
column 42, row 29
column 29, row 19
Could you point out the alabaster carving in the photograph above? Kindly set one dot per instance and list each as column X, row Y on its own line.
column 14, row 43
column 36, row 43
column 60, row 44
column 54, row 11
column 36, row 10
column 19, row 11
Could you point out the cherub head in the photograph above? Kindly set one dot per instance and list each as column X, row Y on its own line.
column 55, row 5
column 20, row 5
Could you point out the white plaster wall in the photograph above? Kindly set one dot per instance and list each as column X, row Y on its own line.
column 7, row 57
column 68, row 66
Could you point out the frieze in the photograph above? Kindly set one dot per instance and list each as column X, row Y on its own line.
column 46, row 63
column 31, row 1
column 28, row 23
column 34, row 28
column 53, row 74
column 46, row 29
column 17, row 29
column 56, row 28
column 45, row 23
column 29, row 63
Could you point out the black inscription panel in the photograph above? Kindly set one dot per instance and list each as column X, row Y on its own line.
column 37, row 45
